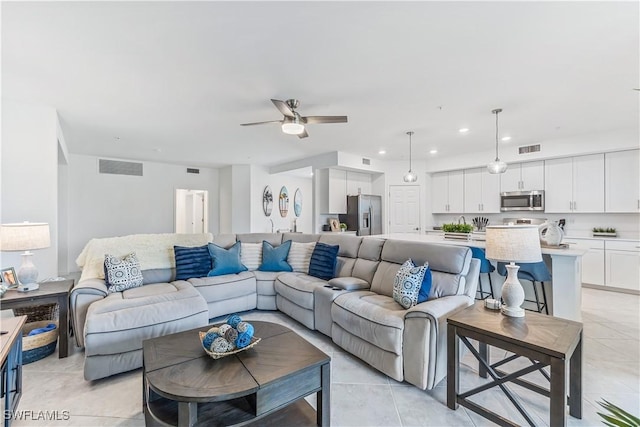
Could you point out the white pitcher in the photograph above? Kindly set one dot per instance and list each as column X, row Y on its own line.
column 551, row 234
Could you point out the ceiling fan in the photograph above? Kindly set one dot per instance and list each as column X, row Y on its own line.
column 293, row 123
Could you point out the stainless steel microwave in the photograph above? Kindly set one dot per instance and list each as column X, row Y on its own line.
column 522, row 201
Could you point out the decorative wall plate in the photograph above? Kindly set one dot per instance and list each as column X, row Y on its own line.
column 284, row 202
column 297, row 202
column 267, row 201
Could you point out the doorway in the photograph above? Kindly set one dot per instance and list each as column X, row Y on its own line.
column 404, row 209
column 192, row 214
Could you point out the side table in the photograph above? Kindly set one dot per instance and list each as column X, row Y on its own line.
column 48, row 293
column 544, row 340
column 11, row 361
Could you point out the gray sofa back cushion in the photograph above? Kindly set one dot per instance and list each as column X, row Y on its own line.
column 300, row 237
column 444, row 258
column 344, row 266
column 274, row 238
column 382, row 282
column 225, row 240
column 158, row 275
column 371, row 248
column 349, row 245
column 365, row 269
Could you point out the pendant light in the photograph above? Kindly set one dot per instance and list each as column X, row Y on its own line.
column 410, row 176
column 497, row 166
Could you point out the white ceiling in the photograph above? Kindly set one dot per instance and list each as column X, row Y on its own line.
column 173, row 80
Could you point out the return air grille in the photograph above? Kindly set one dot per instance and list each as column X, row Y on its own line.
column 193, row 170
column 529, row 149
column 366, row 161
column 118, row 167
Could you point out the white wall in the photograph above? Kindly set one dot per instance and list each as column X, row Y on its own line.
column 260, row 223
column 29, row 170
column 225, row 197
column 105, row 205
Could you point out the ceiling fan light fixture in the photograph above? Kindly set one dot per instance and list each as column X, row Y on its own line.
column 292, row 126
column 410, row 176
column 497, row 166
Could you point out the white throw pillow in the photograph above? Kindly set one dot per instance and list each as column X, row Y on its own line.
column 122, row 273
column 251, row 255
column 300, row 256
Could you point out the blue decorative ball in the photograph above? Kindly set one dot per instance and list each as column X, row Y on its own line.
column 233, row 320
column 245, row 327
column 208, row 339
column 243, row 340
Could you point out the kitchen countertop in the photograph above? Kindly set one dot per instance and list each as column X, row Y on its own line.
column 435, row 238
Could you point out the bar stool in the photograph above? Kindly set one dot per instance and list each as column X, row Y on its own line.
column 485, row 267
column 533, row 272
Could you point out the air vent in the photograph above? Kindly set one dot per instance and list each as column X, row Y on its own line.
column 117, row 167
column 529, row 149
column 193, row 170
column 366, row 161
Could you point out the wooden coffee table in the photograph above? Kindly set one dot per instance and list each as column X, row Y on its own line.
column 266, row 384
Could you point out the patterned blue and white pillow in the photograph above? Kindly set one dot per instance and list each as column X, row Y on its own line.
column 407, row 283
column 122, row 273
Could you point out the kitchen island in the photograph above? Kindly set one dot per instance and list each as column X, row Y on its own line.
column 563, row 292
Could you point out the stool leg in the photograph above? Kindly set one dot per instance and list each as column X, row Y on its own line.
column 490, row 285
column 480, row 290
column 535, row 291
column 544, row 297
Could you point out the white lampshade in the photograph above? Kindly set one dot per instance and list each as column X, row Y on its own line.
column 292, row 128
column 513, row 243
column 24, row 236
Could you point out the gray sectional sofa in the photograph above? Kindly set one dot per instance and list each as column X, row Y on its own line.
column 356, row 309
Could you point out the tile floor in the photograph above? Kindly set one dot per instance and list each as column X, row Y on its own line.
column 361, row 396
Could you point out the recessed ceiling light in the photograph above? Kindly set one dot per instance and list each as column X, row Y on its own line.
column 463, row 130
column 382, row 152
column 506, row 138
column 116, row 138
column 433, row 151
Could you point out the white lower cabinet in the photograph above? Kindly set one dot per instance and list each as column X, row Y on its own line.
column 622, row 265
column 593, row 261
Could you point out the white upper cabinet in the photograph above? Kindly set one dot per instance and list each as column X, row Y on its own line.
column 358, row 183
column 481, row 191
column 574, row 184
column 523, row 177
column 622, row 181
column 447, row 192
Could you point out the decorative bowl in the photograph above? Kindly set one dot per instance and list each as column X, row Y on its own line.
column 216, row 355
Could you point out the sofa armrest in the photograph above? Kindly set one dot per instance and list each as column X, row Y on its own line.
column 425, row 339
column 83, row 294
column 350, row 283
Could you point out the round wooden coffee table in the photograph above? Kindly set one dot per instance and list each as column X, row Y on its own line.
column 183, row 386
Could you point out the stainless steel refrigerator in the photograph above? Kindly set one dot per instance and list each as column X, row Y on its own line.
column 364, row 214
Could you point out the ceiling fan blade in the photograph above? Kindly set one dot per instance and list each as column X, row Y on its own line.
column 324, row 119
column 260, row 123
column 283, row 107
column 303, row 134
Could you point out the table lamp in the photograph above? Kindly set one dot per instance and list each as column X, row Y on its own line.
column 513, row 243
column 25, row 236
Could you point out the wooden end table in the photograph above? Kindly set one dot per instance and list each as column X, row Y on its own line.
column 11, row 361
column 544, row 340
column 48, row 293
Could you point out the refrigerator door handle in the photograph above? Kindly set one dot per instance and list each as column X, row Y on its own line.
column 371, row 221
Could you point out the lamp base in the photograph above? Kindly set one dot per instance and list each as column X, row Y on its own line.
column 512, row 293
column 27, row 274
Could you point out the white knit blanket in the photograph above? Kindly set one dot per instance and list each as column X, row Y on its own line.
column 152, row 250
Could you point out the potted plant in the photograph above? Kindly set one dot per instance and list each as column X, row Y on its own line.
column 343, row 227
column 604, row 232
column 616, row 416
column 457, row 231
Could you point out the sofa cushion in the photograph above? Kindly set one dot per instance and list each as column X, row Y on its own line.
column 375, row 318
column 370, row 249
column 275, row 259
column 349, row 283
column 300, row 237
column 323, row 261
column 300, row 256
column 192, row 261
column 225, row 261
column 122, row 273
column 407, row 283
column 348, row 244
column 251, row 255
column 444, row 258
column 274, row 238
column 298, row 288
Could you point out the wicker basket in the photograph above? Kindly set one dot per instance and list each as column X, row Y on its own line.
column 38, row 313
column 216, row 355
column 36, row 347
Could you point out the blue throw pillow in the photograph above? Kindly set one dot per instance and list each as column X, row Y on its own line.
column 275, row 259
column 192, row 261
column 425, row 288
column 323, row 261
column 225, row 261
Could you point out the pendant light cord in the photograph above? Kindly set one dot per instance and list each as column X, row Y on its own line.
column 496, row 112
column 410, row 133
